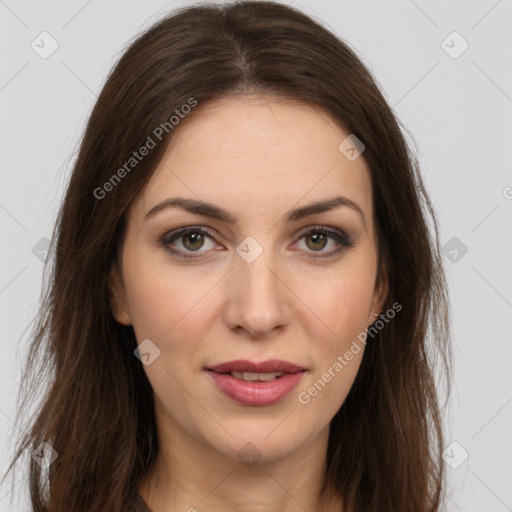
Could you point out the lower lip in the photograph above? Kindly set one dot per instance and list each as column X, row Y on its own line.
column 256, row 392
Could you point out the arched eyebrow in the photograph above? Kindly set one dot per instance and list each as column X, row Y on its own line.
column 216, row 212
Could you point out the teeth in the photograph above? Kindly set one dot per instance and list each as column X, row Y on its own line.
column 250, row 376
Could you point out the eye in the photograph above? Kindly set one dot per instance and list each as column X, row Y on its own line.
column 317, row 238
column 192, row 240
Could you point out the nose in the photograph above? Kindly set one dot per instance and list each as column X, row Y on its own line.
column 257, row 297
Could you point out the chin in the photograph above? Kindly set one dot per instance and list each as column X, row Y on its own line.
column 264, row 440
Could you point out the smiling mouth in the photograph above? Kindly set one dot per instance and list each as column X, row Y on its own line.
column 256, row 383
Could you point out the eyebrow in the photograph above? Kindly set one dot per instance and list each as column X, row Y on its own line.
column 215, row 212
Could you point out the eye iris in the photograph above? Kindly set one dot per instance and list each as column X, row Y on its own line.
column 197, row 238
column 317, row 238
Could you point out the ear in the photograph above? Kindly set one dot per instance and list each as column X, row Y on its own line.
column 379, row 298
column 117, row 297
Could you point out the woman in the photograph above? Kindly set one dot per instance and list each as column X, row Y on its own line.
column 243, row 285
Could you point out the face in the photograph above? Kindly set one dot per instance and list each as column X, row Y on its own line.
column 255, row 284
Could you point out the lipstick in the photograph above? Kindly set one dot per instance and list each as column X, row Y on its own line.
column 256, row 384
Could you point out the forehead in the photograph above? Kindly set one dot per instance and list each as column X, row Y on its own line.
column 257, row 152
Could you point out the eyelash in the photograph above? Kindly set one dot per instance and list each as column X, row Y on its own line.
column 170, row 237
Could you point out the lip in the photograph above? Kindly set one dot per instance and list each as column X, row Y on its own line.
column 271, row 365
column 256, row 393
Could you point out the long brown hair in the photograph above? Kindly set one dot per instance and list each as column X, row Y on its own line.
column 97, row 413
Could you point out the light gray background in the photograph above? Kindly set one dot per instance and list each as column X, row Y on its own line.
column 458, row 110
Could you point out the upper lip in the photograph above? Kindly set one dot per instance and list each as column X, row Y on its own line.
column 271, row 365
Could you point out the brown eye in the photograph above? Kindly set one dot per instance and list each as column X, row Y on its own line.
column 193, row 241
column 185, row 242
column 318, row 240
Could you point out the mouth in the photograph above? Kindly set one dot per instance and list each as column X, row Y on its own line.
column 250, row 383
column 253, row 376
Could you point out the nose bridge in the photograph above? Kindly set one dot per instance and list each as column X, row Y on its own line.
column 256, row 298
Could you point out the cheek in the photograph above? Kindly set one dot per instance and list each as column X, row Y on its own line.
column 164, row 301
column 341, row 304
column 170, row 309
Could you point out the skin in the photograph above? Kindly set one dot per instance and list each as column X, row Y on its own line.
column 257, row 157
